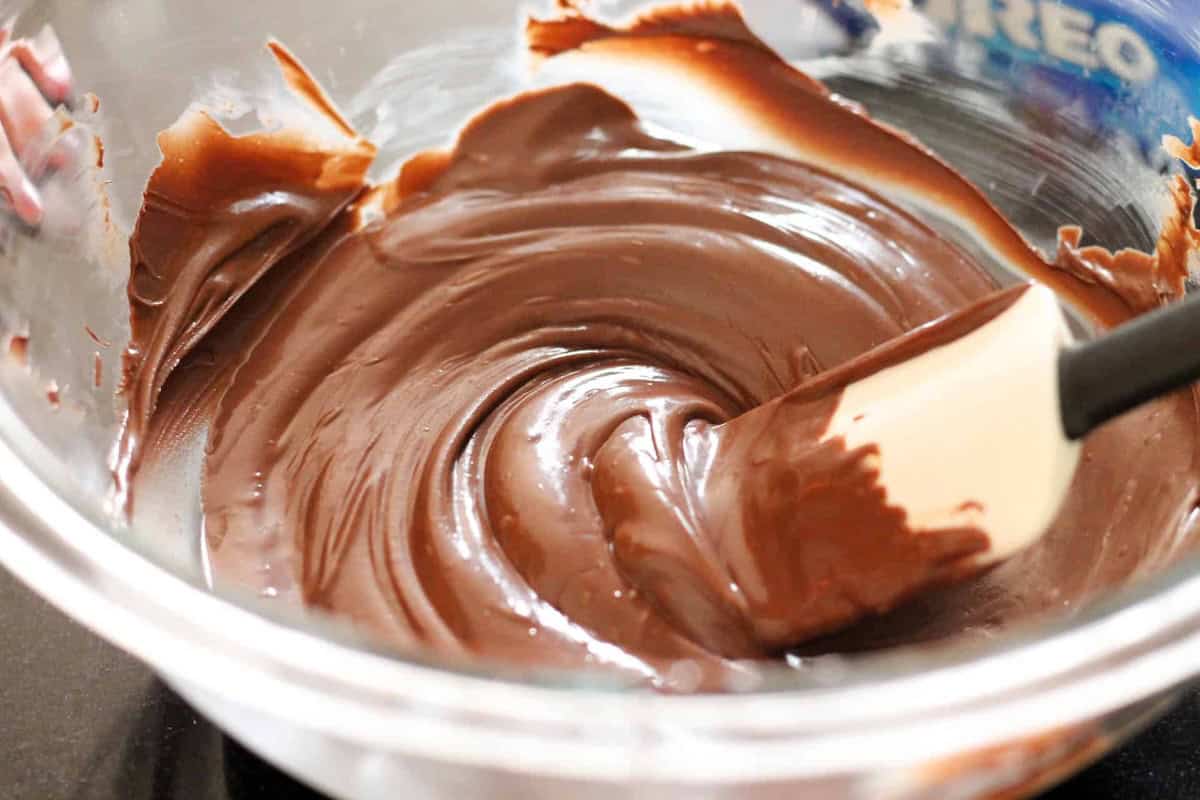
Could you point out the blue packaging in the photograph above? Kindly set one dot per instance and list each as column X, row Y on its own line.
column 1129, row 67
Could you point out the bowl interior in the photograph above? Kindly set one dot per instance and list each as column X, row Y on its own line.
column 408, row 75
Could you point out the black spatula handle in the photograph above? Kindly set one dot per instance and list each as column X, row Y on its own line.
column 1139, row 361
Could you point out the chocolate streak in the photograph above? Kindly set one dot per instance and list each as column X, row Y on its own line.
column 485, row 409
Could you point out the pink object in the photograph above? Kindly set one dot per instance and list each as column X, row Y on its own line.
column 34, row 78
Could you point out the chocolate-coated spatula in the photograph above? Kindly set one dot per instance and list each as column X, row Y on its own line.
column 936, row 455
column 984, row 430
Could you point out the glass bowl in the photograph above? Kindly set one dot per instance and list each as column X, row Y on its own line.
column 1052, row 126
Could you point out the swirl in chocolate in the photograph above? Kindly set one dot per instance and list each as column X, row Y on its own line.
column 482, row 410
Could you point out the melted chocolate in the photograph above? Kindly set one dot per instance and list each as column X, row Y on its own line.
column 548, row 398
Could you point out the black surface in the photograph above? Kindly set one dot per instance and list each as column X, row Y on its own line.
column 83, row 721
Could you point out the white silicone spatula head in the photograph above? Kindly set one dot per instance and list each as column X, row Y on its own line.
column 969, row 434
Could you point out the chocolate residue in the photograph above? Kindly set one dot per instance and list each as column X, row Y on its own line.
column 1144, row 280
column 536, row 400
column 1187, row 153
column 18, row 349
column 703, row 20
column 97, row 338
column 268, row 194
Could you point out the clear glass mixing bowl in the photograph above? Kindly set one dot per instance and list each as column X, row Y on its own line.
column 961, row 720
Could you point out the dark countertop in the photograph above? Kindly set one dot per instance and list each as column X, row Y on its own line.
column 83, row 721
